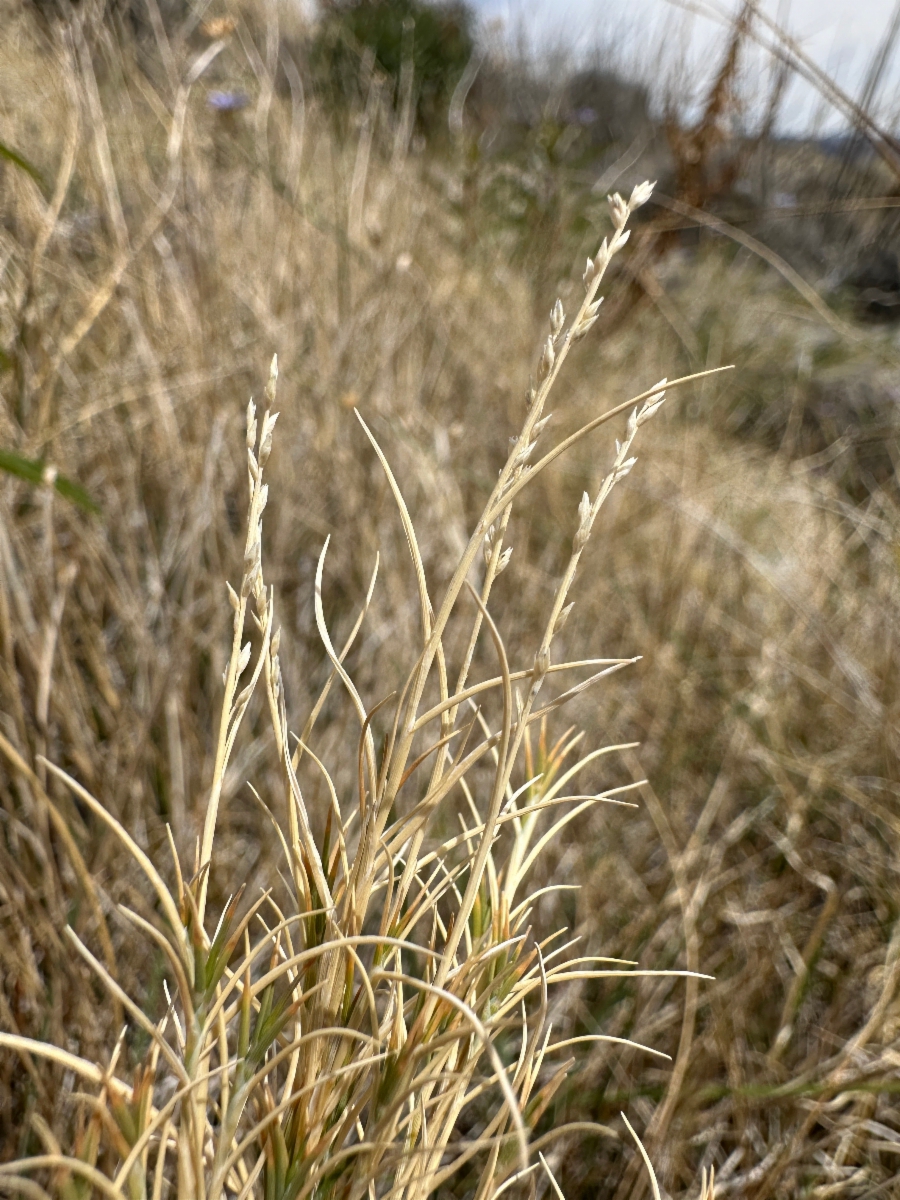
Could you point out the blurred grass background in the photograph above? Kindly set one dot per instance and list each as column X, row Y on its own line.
column 391, row 197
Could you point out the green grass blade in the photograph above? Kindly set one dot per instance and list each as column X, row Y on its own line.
column 32, row 471
column 22, row 163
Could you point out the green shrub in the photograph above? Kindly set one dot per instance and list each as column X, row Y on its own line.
column 435, row 40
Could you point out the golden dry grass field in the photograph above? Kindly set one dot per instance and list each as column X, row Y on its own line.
column 153, row 258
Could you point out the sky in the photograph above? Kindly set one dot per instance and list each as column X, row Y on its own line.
column 840, row 35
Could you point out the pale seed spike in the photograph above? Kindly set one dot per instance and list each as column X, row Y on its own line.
column 251, row 425
column 588, row 276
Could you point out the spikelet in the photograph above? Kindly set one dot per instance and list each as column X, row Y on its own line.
column 583, row 532
column 618, row 210
column 557, row 319
column 640, row 195
column 548, row 357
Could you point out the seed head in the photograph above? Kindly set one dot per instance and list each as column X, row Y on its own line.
column 618, row 210
column 640, row 195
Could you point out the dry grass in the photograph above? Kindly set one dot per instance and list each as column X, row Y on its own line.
column 168, row 252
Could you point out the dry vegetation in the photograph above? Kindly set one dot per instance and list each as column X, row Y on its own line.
column 751, row 559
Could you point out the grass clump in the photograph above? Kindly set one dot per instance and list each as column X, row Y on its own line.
column 750, row 560
column 327, row 1037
